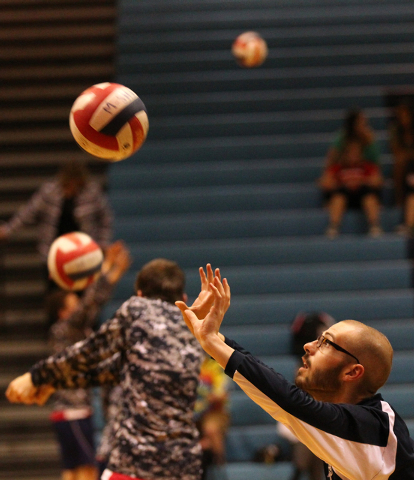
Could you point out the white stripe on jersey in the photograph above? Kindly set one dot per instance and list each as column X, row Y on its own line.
column 330, row 448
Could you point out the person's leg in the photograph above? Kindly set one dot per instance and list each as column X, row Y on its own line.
column 337, row 206
column 213, row 429
column 399, row 169
column 68, row 475
column 371, row 206
column 213, row 432
column 409, row 213
column 86, row 472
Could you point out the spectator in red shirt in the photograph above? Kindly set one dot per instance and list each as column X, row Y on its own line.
column 353, row 183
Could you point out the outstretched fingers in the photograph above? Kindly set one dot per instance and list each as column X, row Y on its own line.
column 181, row 305
column 184, row 308
column 219, row 308
column 223, row 288
column 208, row 309
column 203, row 278
column 208, row 276
column 190, row 319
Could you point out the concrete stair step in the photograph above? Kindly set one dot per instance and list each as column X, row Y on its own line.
column 50, row 474
column 27, row 450
column 13, row 349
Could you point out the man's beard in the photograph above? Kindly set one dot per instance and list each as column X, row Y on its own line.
column 319, row 382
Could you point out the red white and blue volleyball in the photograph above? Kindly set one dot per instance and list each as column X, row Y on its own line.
column 74, row 261
column 109, row 121
column 249, row 49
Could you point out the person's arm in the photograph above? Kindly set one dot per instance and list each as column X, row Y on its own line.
column 328, row 182
column 116, row 262
column 202, row 304
column 335, row 149
column 332, row 157
column 78, row 366
column 374, row 178
column 107, row 372
column 205, row 315
column 22, row 390
column 332, row 432
column 28, row 213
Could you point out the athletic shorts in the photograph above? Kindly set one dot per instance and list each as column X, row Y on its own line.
column 108, row 475
column 76, row 440
column 354, row 197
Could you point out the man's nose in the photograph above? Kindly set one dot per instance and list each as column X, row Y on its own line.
column 310, row 347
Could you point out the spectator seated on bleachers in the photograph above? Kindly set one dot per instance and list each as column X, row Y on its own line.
column 353, row 183
column 401, row 136
column 355, row 128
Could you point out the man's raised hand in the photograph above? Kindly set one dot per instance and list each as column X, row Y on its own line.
column 205, row 299
column 205, row 329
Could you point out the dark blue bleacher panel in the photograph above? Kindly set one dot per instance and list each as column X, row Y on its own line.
column 229, row 169
column 282, row 308
column 263, row 340
column 331, row 277
column 214, row 173
column 215, row 199
column 241, row 224
column 264, row 123
column 401, row 372
column 221, row 198
column 400, row 331
column 361, row 306
column 242, row 442
column 270, row 251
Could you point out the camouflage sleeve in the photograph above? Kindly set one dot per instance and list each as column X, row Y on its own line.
column 78, row 366
column 108, row 371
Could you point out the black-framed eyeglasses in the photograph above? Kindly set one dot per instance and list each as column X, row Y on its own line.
column 322, row 340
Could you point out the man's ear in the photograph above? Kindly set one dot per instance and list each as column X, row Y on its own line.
column 354, row 372
column 185, row 298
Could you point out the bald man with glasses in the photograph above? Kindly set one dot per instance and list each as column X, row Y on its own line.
column 333, row 408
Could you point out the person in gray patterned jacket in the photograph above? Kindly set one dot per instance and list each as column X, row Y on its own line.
column 71, row 201
column 156, row 437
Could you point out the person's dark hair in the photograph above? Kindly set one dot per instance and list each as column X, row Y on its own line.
column 54, row 302
column 161, row 278
column 350, row 121
column 73, row 171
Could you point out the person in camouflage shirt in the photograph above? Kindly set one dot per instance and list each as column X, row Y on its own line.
column 158, row 365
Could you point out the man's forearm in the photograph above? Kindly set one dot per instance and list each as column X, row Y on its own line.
column 215, row 346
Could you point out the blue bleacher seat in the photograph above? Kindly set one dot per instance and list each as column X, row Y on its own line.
column 228, row 175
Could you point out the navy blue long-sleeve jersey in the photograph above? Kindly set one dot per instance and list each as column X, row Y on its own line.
column 367, row 441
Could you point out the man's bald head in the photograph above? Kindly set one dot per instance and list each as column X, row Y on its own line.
column 372, row 348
